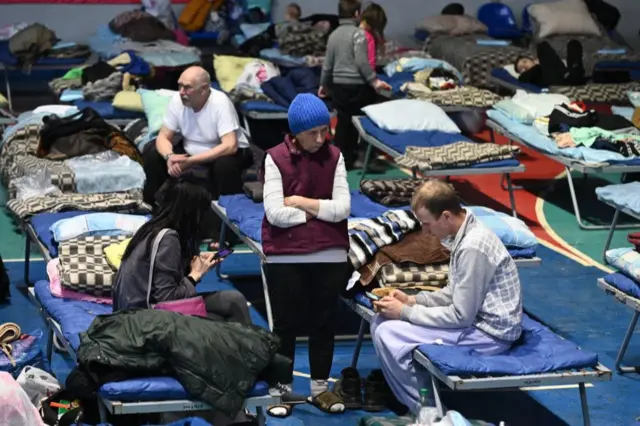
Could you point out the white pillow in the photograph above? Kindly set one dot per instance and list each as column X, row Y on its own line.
column 511, row 69
column 566, row 17
column 404, row 115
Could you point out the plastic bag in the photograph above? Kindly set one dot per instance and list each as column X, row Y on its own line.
column 15, row 407
column 37, row 384
column 35, row 185
column 24, row 351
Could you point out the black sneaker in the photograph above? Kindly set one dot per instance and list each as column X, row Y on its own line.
column 349, row 388
column 376, row 392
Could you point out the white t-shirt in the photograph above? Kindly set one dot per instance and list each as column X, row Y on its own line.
column 202, row 130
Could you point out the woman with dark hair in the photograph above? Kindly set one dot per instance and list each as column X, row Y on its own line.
column 179, row 266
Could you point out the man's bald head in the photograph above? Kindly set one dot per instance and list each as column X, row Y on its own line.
column 194, row 84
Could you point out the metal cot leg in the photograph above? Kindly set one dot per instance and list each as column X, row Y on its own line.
column 103, row 411
column 436, row 394
column 260, row 417
column 27, row 258
column 512, row 197
column 7, row 86
column 625, row 343
column 267, row 299
column 367, row 158
column 223, row 236
column 612, row 230
column 356, row 350
column 585, row 405
column 49, row 352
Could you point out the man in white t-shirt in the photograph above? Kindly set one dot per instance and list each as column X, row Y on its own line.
column 213, row 144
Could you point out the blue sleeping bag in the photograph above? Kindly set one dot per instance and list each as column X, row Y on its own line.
column 283, row 89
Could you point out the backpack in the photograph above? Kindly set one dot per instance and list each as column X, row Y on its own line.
column 5, row 292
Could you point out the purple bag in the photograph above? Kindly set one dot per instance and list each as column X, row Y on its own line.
column 192, row 306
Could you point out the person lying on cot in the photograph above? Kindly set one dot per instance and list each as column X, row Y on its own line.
column 305, row 236
column 480, row 308
column 547, row 69
column 179, row 265
column 213, row 145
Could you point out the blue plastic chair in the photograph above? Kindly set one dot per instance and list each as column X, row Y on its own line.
column 500, row 20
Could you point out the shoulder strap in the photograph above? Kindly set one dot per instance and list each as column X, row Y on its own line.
column 152, row 262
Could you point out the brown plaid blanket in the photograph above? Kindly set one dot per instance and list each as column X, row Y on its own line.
column 391, row 192
column 410, row 275
column 465, row 96
column 121, row 202
column 457, row 154
column 84, row 267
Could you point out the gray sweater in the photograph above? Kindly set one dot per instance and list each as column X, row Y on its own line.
column 346, row 60
column 169, row 280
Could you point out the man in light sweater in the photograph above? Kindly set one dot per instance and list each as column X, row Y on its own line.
column 348, row 77
column 480, row 308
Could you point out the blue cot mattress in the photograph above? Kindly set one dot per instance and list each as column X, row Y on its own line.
column 248, row 215
column 8, row 59
column 106, row 110
column 624, row 284
column 503, row 75
column 400, row 141
column 397, row 80
column 75, row 317
column 261, row 106
column 622, row 196
column 42, row 222
column 539, row 350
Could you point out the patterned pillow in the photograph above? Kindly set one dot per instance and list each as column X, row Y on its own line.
column 626, row 260
column 514, row 111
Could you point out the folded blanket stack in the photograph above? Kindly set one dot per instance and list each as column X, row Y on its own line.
column 417, row 259
column 457, row 154
column 392, row 192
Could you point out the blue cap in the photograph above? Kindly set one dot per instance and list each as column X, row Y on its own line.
column 306, row 112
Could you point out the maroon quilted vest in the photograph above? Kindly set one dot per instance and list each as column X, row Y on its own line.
column 311, row 176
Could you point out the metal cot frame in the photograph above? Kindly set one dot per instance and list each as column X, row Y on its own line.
column 599, row 373
column 256, row 247
column 614, row 222
column 375, row 143
column 117, row 408
column 632, row 303
column 571, row 165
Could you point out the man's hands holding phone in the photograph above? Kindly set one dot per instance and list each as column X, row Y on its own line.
column 390, row 306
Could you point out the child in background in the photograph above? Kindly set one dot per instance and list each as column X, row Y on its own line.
column 293, row 13
column 373, row 21
column 348, row 77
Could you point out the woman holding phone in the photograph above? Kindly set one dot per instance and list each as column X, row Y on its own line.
column 179, row 266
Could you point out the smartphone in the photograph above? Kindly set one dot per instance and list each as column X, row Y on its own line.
column 371, row 296
column 221, row 254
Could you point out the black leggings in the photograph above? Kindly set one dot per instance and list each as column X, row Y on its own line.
column 555, row 72
column 227, row 305
column 304, row 298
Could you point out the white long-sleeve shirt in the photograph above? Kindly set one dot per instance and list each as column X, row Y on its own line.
column 334, row 210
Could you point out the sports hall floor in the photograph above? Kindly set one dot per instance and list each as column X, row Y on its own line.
column 562, row 293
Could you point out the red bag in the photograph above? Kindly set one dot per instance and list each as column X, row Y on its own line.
column 192, row 306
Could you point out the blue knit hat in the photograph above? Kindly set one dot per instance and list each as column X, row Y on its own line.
column 306, row 112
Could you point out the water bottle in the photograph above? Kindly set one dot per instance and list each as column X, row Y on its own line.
column 427, row 415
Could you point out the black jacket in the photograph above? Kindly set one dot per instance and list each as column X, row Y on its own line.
column 216, row 362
